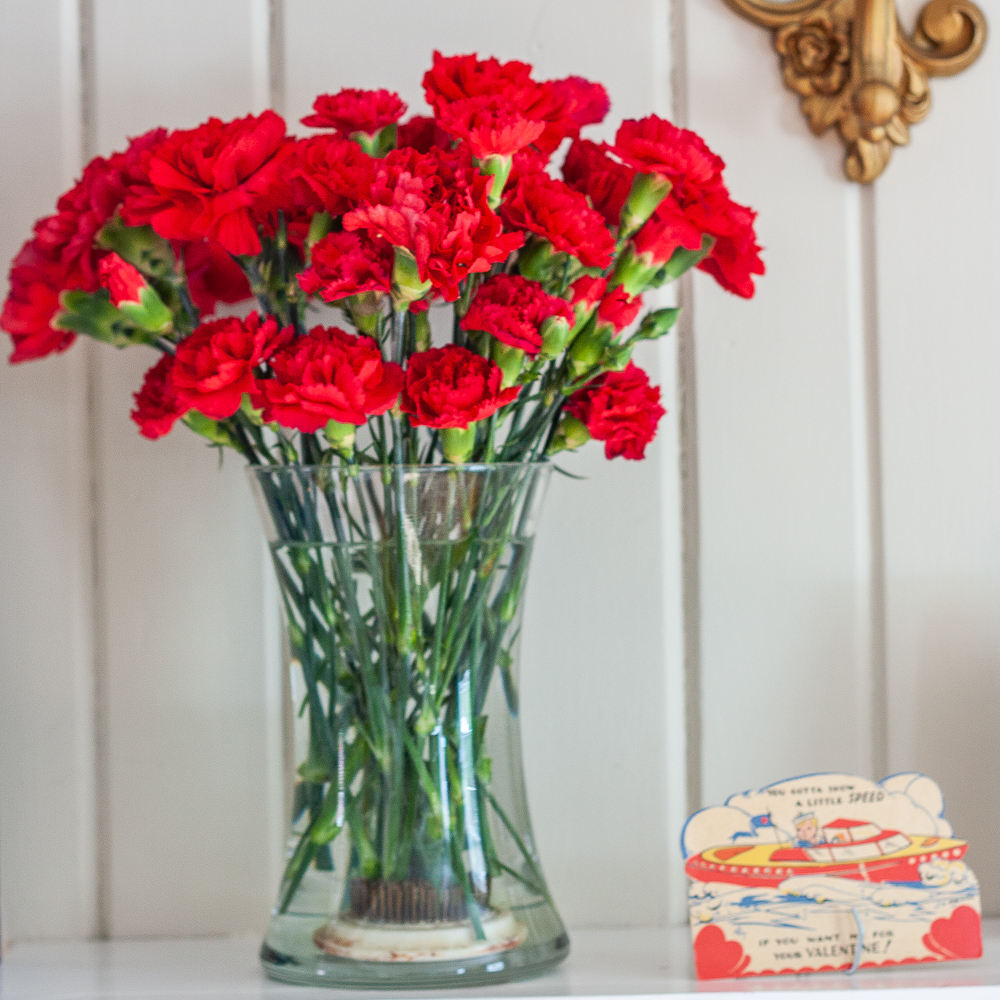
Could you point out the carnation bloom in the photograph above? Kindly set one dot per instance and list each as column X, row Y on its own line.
column 214, row 365
column 557, row 213
column 489, row 125
column 422, row 133
column 33, row 302
column 212, row 181
column 212, row 275
column 327, row 173
column 327, row 375
column 668, row 228
column 621, row 409
column 351, row 110
column 452, row 387
column 619, row 309
column 157, row 405
column 654, row 145
column 735, row 255
column 589, row 170
column 434, row 205
column 586, row 292
column 123, row 281
column 346, row 264
column 562, row 105
column 513, row 309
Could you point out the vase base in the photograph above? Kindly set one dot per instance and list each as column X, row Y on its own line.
column 422, row 942
column 322, row 969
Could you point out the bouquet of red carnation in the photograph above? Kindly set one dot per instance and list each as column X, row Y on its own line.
column 398, row 477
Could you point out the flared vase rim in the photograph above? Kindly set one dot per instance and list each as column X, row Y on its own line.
column 301, row 467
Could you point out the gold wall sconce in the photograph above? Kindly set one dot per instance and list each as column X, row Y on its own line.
column 854, row 67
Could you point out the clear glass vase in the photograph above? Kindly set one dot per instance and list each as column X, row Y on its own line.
column 411, row 860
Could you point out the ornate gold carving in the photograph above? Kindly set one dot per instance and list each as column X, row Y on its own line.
column 853, row 67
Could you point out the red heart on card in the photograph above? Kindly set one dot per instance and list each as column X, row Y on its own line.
column 957, row 936
column 717, row 958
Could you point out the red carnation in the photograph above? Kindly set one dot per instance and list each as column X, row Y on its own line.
column 157, row 405
column 35, row 283
column 452, row 78
column 589, row 170
column 352, row 110
column 212, row 275
column 489, row 125
column 123, row 281
column 526, row 161
column 328, row 375
column 346, row 264
column 586, row 292
column 328, row 173
column 621, row 409
column 557, row 213
column 735, row 256
column 586, row 103
column 563, row 105
column 421, row 133
column 214, row 366
column 619, row 309
column 435, row 206
column 452, row 387
column 654, row 145
column 513, row 309
column 213, row 180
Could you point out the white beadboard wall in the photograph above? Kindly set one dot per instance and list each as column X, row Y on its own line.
column 804, row 574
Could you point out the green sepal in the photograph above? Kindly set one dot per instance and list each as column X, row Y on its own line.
column 497, row 167
column 319, row 226
column 458, row 442
column 407, row 285
column 555, row 336
column 94, row 316
column 149, row 313
column 682, row 260
column 538, row 260
column 214, row 430
column 341, row 437
column 648, row 190
column 510, row 360
column 378, row 143
column 140, row 246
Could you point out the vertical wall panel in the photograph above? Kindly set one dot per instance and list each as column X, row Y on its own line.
column 183, row 694
column 781, row 631
column 938, row 215
column 594, row 673
column 47, row 871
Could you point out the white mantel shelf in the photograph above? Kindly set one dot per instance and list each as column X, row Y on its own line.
column 603, row 963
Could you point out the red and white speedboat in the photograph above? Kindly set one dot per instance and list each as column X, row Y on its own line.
column 850, row 849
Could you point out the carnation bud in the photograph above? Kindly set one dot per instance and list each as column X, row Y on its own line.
column 648, row 190
column 458, row 443
column 215, row 430
column 497, row 167
column 407, row 285
column 130, row 293
column 140, row 246
column 570, row 435
column 341, row 437
column 319, row 226
column 508, row 359
column 589, row 346
column 655, row 324
column 421, row 331
column 378, row 143
column 555, row 336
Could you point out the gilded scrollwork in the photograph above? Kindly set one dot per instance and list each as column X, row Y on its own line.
column 852, row 66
